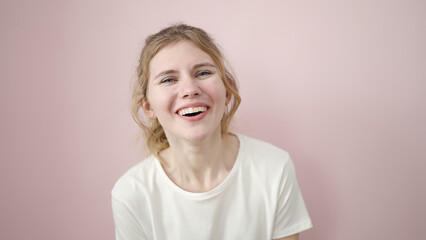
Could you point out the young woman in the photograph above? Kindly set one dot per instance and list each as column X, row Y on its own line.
column 201, row 181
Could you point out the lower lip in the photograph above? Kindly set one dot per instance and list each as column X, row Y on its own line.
column 195, row 118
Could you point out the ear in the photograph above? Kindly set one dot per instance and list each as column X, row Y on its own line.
column 228, row 97
column 146, row 107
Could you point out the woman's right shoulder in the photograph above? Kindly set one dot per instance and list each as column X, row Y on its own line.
column 136, row 181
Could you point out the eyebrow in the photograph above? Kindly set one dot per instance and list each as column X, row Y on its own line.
column 206, row 64
column 164, row 73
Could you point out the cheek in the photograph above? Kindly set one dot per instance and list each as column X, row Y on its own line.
column 159, row 101
column 219, row 92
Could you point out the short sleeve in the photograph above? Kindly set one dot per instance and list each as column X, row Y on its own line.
column 291, row 216
column 126, row 225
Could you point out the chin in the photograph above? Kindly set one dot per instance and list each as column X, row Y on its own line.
column 199, row 135
column 196, row 137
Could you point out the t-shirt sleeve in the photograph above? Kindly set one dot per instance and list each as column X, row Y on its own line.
column 127, row 226
column 291, row 216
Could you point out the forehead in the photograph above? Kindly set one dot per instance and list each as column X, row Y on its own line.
column 178, row 55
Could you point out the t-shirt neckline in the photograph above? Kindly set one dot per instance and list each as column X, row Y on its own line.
column 210, row 193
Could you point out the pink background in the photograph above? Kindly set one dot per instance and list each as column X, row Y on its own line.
column 339, row 84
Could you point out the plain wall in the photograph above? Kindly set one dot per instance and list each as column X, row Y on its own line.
column 341, row 85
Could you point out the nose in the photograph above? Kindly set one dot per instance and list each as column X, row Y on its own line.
column 189, row 88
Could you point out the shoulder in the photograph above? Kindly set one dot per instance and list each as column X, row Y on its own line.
column 263, row 152
column 135, row 181
column 266, row 166
column 265, row 162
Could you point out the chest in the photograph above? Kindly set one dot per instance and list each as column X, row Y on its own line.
column 241, row 211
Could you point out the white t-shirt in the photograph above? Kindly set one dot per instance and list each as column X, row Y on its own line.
column 259, row 199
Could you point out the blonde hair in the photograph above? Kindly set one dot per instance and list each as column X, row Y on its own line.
column 156, row 139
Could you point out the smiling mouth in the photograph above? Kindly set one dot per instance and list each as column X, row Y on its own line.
column 191, row 111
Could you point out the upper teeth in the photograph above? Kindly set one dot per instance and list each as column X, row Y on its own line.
column 191, row 110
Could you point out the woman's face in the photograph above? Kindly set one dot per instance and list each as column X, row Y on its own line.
column 185, row 92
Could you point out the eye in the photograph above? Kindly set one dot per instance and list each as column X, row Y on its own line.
column 167, row 80
column 203, row 73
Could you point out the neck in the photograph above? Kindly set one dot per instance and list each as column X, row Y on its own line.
column 200, row 166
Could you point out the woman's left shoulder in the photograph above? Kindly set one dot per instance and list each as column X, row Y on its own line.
column 262, row 152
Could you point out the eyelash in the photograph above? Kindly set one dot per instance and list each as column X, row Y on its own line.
column 204, row 73
column 199, row 74
column 167, row 80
